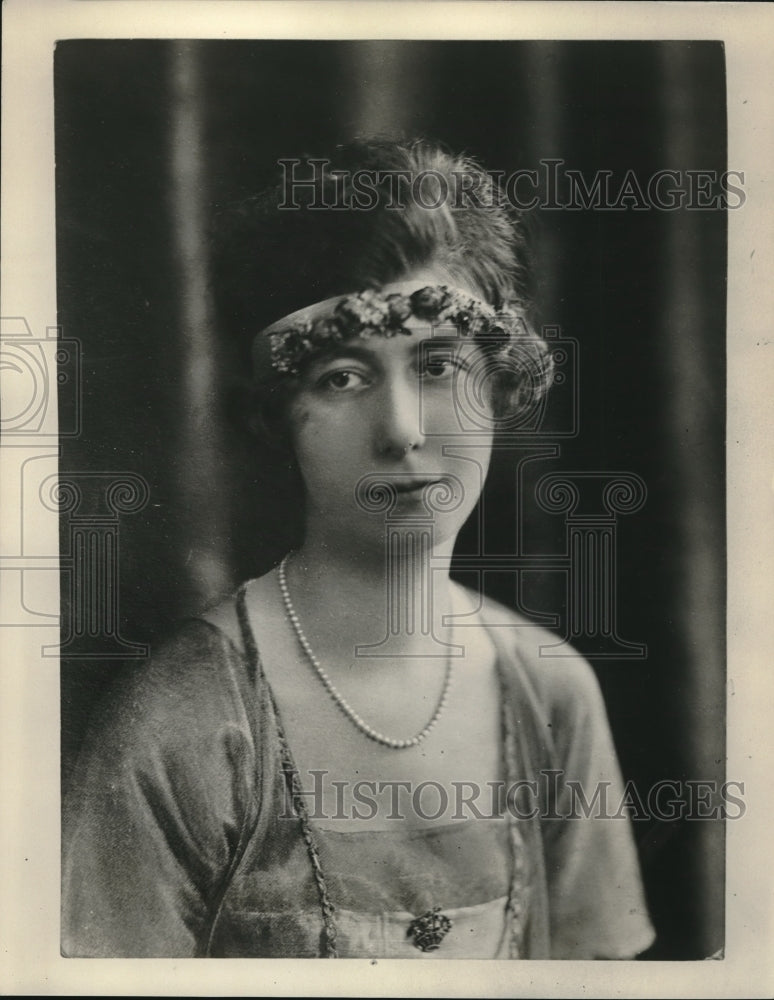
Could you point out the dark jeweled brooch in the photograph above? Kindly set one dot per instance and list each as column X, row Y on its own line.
column 430, row 929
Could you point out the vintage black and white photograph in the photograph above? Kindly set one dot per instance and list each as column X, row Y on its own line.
column 394, row 533
column 391, row 493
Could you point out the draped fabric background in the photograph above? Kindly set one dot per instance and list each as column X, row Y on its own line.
column 152, row 135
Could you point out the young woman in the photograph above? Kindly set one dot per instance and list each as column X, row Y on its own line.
column 356, row 756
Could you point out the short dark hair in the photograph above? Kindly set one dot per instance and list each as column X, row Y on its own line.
column 270, row 261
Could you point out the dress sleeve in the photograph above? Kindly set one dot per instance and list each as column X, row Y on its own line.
column 161, row 797
column 596, row 901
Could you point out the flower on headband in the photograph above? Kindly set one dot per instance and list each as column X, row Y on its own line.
column 463, row 309
column 363, row 314
column 326, row 330
column 290, row 346
column 399, row 307
column 450, row 306
column 498, row 332
column 428, row 303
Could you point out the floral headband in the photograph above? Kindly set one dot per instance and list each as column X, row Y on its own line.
column 385, row 312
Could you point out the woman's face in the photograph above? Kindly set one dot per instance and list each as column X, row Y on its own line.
column 378, row 419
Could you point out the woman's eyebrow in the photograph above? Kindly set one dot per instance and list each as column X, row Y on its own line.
column 347, row 349
column 361, row 350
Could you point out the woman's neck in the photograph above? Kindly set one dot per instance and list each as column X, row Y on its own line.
column 396, row 601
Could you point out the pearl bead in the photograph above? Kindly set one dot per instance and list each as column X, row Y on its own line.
column 342, row 703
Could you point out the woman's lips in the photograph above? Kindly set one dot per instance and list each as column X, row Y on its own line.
column 414, row 485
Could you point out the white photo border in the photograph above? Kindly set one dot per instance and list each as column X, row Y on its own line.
column 29, row 726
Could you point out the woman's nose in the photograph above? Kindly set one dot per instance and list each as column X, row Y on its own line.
column 398, row 423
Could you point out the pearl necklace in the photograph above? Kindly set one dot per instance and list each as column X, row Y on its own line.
column 342, row 703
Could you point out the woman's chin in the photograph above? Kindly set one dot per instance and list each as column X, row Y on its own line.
column 405, row 531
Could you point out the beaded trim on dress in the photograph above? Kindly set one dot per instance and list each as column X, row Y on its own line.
column 515, row 906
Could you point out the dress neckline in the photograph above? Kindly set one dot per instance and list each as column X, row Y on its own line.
column 508, row 755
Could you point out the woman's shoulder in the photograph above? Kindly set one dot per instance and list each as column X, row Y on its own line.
column 195, row 652
column 187, row 718
column 538, row 660
column 555, row 694
column 195, row 679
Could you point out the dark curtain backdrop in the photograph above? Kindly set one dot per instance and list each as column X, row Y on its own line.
column 152, row 135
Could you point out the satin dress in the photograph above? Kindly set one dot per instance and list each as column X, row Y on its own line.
column 183, row 834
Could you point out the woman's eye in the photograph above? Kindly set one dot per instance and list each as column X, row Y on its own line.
column 440, row 366
column 342, row 380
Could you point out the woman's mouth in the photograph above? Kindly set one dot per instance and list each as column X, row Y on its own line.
column 412, row 486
